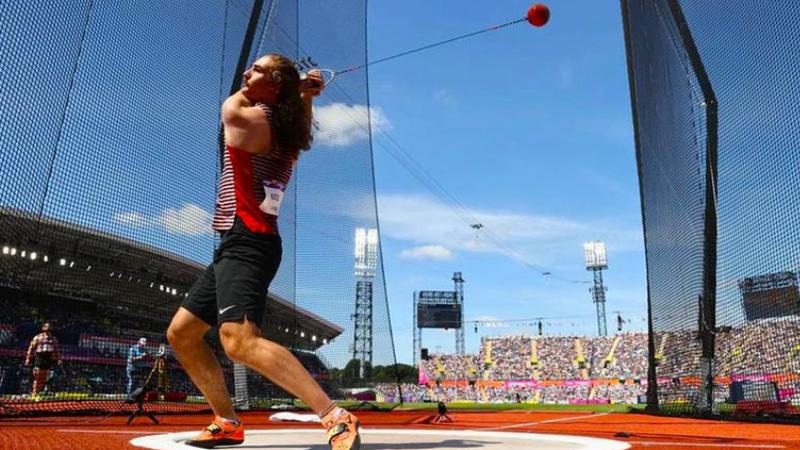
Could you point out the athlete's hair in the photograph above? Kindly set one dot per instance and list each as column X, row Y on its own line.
column 288, row 113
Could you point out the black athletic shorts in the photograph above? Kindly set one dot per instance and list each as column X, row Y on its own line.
column 234, row 287
column 43, row 361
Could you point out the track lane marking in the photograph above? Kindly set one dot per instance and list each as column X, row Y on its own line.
column 109, row 431
column 692, row 444
column 539, row 422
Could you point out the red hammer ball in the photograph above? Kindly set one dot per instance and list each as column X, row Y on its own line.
column 538, row 15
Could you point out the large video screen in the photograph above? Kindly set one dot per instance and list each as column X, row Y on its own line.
column 771, row 295
column 438, row 316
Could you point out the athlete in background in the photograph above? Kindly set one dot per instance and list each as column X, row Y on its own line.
column 44, row 350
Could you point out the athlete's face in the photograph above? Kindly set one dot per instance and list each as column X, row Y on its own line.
column 46, row 328
column 260, row 83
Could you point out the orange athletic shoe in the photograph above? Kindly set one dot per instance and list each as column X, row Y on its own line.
column 220, row 432
column 342, row 430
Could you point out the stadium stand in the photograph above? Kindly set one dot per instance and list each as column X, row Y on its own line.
column 612, row 369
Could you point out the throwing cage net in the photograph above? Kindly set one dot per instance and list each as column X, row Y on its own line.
column 109, row 129
column 715, row 106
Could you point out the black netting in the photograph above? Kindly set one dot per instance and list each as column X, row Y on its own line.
column 715, row 102
column 109, row 125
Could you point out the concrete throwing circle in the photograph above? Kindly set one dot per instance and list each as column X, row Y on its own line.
column 376, row 439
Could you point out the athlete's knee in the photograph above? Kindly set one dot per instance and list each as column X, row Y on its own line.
column 185, row 329
column 233, row 343
column 181, row 337
column 237, row 340
column 174, row 335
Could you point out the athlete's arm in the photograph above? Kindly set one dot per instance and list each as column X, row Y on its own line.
column 308, row 104
column 311, row 87
column 56, row 353
column 31, row 349
column 246, row 126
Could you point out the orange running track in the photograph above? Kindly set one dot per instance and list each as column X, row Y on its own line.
column 640, row 431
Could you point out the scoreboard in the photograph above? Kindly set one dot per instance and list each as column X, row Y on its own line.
column 771, row 295
column 438, row 309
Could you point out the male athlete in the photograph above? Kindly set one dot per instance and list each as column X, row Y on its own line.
column 266, row 123
column 45, row 347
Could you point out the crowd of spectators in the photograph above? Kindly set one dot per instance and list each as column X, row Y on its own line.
column 597, row 351
column 756, row 345
column 558, row 358
column 764, row 347
column 94, row 349
column 630, row 357
column 509, row 359
column 453, row 367
column 574, row 394
column 565, row 394
column 620, row 392
column 678, row 353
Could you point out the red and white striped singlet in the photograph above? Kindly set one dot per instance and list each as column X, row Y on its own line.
column 45, row 343
column 251, row 186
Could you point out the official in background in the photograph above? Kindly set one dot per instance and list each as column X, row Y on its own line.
column 136, row 366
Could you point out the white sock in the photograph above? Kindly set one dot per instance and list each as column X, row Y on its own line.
column 235, row 422
column 330, row 409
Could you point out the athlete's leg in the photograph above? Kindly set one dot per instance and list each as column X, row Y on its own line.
column 39, row 379
column 243, row 271
column 36, row 376
column 130, row 382
column 185, row 335
column 243, row 343
column 43, row 374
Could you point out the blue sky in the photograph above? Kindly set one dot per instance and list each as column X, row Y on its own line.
column 527, row 130
column 530, row 130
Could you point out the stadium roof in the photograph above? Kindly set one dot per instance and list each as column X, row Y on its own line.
column 57, row 258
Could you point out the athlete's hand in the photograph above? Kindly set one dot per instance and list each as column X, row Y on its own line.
column 313, row 84
column 60, row 362
column 27, row 362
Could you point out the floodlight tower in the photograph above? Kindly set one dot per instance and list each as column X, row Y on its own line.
column 366, row 259
column 459, row 289
column 595, row 254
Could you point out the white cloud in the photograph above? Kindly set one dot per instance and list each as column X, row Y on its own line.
column 342, row 124
column 133, row 219
column 189, row 219
column 485, row 318
column 423, row 219
column 434, row 252
column 538, row 239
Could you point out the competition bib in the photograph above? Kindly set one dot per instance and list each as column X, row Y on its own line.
column 273, row 196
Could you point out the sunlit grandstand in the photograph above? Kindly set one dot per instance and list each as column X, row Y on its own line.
column 613, row 369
